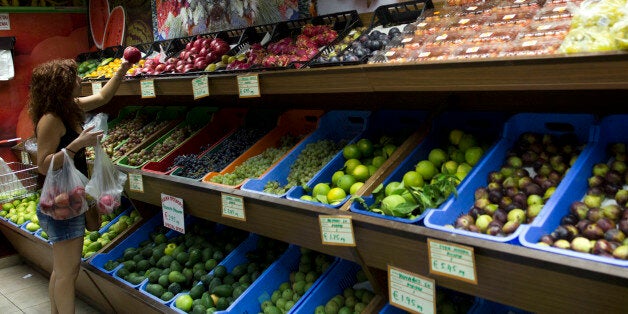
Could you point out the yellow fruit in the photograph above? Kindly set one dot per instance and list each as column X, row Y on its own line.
column 336, row 195
column 355, row 187
column 360, row 173
column 351, row 164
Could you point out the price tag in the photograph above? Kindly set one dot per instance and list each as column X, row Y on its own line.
column 528, row 43
column 452, row 260
column 464, row 21
column 148, row 88
column 472, row 49
column 486, row 34
column 248, row 86
column 96, row 87
column 136, row 184
column 172, row 209
column 509, row 16
column 200, row 87
column 441, row 37
column 233, row 206
column 336, row 230
column 411, row 292
column 25, row 158
column 407, row 40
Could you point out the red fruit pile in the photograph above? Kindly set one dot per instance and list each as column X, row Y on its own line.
column 288, row 50
column 195, row 57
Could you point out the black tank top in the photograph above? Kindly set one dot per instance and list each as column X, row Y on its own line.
column 80, row 162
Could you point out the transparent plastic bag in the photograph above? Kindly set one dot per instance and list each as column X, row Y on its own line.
column 106, row 183
column 63, row 193
column 99, row 121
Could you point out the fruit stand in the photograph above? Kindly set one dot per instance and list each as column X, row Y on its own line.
column 583, row 87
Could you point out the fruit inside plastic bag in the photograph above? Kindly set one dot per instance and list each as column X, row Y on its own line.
column 590, row 39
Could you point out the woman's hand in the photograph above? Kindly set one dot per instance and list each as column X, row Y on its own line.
column 88, row 137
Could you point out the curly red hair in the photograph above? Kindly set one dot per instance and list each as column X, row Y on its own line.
column 52, row 84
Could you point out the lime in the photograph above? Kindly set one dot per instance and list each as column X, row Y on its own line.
column 336, row 176
column 437, row 156
column 467, row 141
column 456, row 155
column 388, row 150
column 408, row 196
column 320, row 189
column 345, row 182
column 378, row 161
column 366, row 147
column 336, row 195
column 449, row 167
column 412, row 179
column 350, row 164
column 184, row 302
column 392, row 187
column 355, row 187
column 351, row 151
column 372, row 169
column 455, row 135
column 473, row 155
column 360, row 173
column 464, row 168
column 426, row 169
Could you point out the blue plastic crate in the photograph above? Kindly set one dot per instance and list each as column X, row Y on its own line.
column 610, row 131
column 389, row 309
column 342, row 275
column 218, row 228
column 23, row 227
column 262, row 288
column 133, row 240
column 334, row 125
column 382, row 122
column 485, row 125
column 235, row 258
column 581, row 125
column 482, row 306
column 38, row 235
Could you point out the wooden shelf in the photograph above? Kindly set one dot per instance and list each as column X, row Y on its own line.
column 529, row 279
column 590, row 72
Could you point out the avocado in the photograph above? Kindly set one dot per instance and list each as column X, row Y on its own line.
column 176, row 276
column 197, row 291
column 174, row 287
column 223, row 290
column 155, row 289
column 167, row 296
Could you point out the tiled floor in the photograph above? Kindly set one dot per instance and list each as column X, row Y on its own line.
column 24, row 290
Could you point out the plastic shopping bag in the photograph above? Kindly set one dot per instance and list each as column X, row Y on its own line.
column 63, row 193
column 106, row 183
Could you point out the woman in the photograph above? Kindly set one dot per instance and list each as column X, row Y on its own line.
column 58, row 114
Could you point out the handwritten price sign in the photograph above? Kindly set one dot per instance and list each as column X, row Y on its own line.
column 411, row 292
column 172, row 209
column 233, row 206
column 248, row 86
column 452, row 260
column 336, row 230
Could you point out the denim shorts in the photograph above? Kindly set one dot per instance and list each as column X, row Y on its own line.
column 60, row 230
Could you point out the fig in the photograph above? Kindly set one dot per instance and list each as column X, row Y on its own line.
column 476, row 211
column 520, row 200
column 481, row 193
column 623, row 226
column 612, row 211
column 510, row 227
column 549, row 192
column 505, row 202
column 501, row 215
column 592, row 201
column 464, row 221
column 514, row 162
column 507, row 171
column 600, row 169
column 611, row 189
column 534, row 199
column 555, row 177
column 511, row 192
column 614, row 235
column 594, row 214
column 517, row 214
column 593, row 232
column 494, row 230
column 495, row 196
column 481, row 203
column 533, row 211
column 573, row 231
column 569, row 219
column 621, row 252
column 524, row 181
column 600, row 246
column 544, row 170
column 618, row 166
column 614, row 177
column 482, row 222
column 605, row 224
column 581, row 244
column 617, row 148
column 510, row 182
column 595, row 181
column 496, row 176
column 560, row 233
column 474, row 228
column 490, row 209
column 494, row 186
column 532, row 188
column 548, row 239
column 521, row 173
column 562, row 244
column 621, row 197
column 582, row 225
column 529, row 157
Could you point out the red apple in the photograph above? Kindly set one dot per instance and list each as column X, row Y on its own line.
column 132, row 54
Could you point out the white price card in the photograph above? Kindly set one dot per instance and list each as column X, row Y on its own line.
column 148, row 88
column 248, row 86
column 200, row 87
column 96, row 87
column 452, row 260
column 5, row 22
column 136, row 184
column 233, row 206
column 172, row 209
column 25, row 158
column 336, row 230
column 411, row 292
